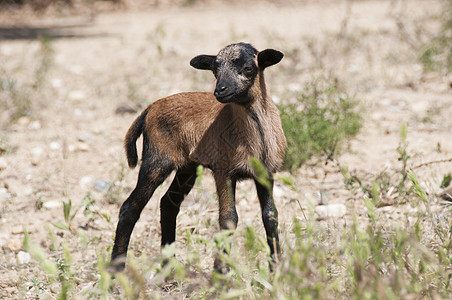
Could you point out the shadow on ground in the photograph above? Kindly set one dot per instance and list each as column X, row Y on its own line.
column 54, row 32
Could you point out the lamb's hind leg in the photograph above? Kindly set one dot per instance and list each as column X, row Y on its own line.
column 149, row 178
column 171, row 201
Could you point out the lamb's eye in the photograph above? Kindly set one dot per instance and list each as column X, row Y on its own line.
column 247, row 70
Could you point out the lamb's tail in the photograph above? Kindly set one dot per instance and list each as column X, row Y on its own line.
column 130, row 142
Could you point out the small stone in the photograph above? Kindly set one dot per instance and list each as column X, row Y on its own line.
column 37, row 152
column 85, row 138
column 23, row 257
column 14, row 245
column 330, row 211
column 102, row 185
column 55, row 146
column 82, row 147
column 35, row 125
column 51, row 204
column 4, row 194
column 77, row 95
column 27, row 190
column 17, row 230
column 23, row 121
column 57, row 83
column 37, row 155
column 3, row 163
column 78, row 112
column 86, row 182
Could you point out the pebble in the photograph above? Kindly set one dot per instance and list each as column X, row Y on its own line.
column 77, row 95
column 55, row 146
column 102, row 185
column 330, row 211
column 23, row 257
column 85, row 138
column 23, row 121
column 4, row 194
column 35, row 125
column 51, row 204
column 14, row 245
column 3, row 163
column 36, row 155
column 57, row 83
column 80, row 147
column 86, row 182
column 17, row 230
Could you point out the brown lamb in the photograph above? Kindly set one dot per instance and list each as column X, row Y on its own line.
column 220, row 131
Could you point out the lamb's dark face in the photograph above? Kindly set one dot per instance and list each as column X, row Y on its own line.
column 235, row 68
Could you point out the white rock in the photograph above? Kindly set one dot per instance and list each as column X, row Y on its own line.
column 86, row 182
column 37, row 155
column 79, row 147
column 37, row 152
column 4, row 195
column 3, row 163
column 77, row 95
column 102, row 185
column 23, row 257
column 85, row 138
column 82, row 147
column 23, row 121
column 27, row 190
column 57, row 83
column 55, row 146
column 78, row 112
column 51, row 204
column 35, row 125
column 330, row 211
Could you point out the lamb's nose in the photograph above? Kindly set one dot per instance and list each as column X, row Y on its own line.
column 220, row 90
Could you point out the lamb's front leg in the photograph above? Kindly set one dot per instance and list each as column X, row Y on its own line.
column 227, row 213
column 269, row 217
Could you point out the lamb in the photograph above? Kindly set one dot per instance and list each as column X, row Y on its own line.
column 220, row 131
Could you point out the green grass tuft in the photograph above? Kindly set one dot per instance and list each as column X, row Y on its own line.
column 319, row 123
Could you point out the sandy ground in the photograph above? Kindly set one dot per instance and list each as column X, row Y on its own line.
column 72, row 141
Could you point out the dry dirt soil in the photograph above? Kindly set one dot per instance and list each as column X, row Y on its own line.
column 69, row 144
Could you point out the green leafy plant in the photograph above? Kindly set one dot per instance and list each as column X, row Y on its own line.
column 446, row 181
column 68, row 217
column 320, row 123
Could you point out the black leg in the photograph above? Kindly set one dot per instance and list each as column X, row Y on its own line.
column 148, row 180
column 171, row 201
column 270, row 218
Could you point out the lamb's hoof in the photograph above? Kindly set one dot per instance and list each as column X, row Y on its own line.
column 117, row 265
column 220, row 267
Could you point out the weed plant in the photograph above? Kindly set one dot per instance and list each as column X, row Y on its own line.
column 320, row 123
column 18, row 97
column 366, row 259
column 436, row 55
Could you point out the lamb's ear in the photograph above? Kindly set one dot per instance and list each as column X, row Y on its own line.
column 269, row 57
column 203, row 62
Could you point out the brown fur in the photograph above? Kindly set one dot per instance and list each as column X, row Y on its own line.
column 207, row 132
